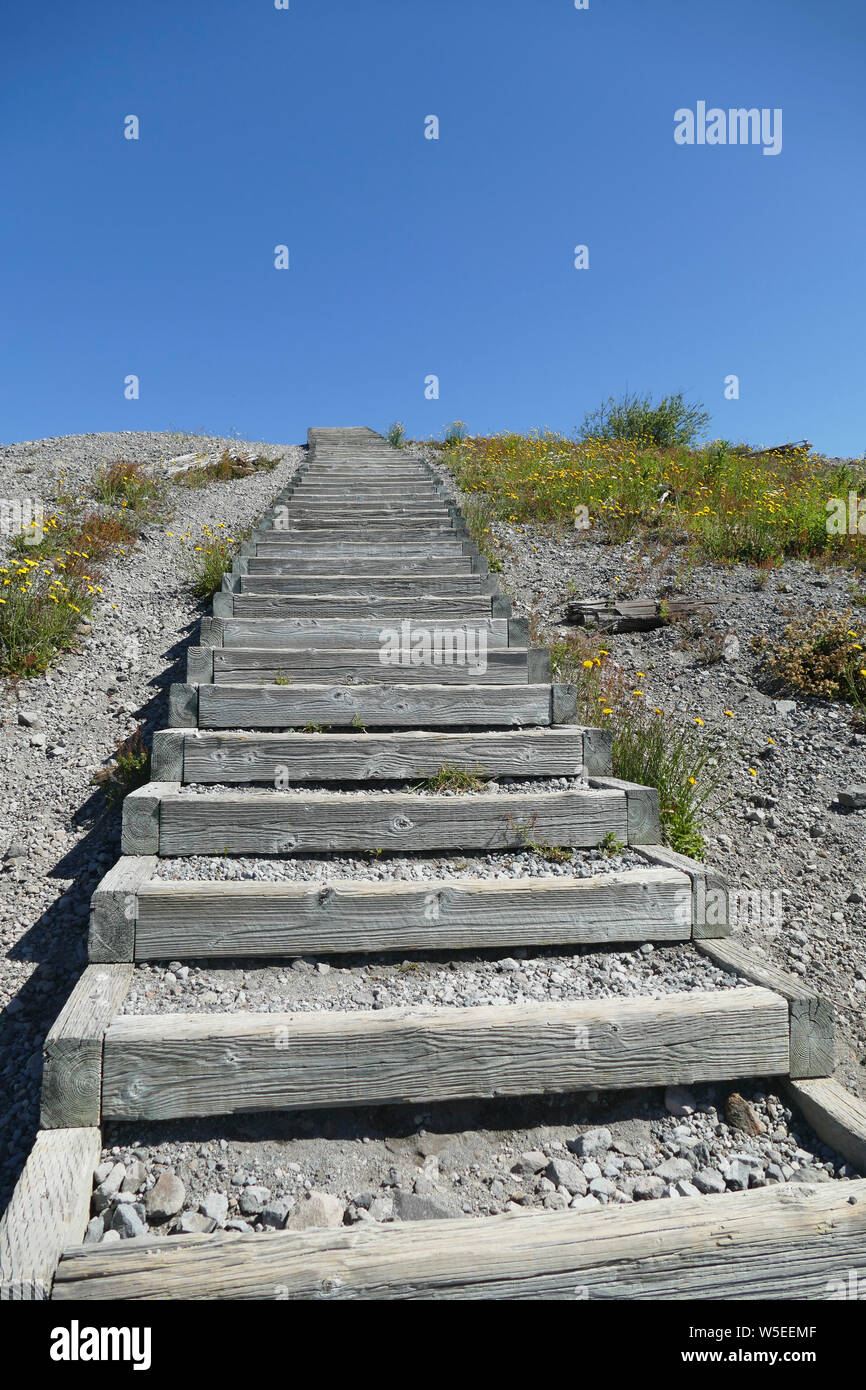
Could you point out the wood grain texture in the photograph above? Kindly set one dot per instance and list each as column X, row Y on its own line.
column 186, row 919
column 48, row 1210
column 788, row 1242
column 437, row 607
column 418, row 706
column 269, row 548
column 363, row 586
column 812, row 1018
column 166, row 750
column 362, row 665
column 297, row 822
column 318, row 633
column 140, row 825
column 340, row 564
column 644, row 822
column 710, row 915
column 72, row 1051
column 836, row 1115
column 183, row 702
column 173, row 1065
column 230, row 757
column 113, row 907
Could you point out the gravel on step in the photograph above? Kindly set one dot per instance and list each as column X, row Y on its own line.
column 346, row 983
column 395, row 868
column 466, row 1159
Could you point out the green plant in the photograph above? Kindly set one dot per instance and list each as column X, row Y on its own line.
column 280, row 679
column 357, row 723
column 127, row 485
column 130, row 769
column 670, row 423
column 824, row 656
column 226, row 468
column 396, row 435
column 458, row 779
column 40, row 612
column 312, row 728
column 610, row 845
column 454, row 434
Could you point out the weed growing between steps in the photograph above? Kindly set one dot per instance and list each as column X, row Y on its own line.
column 128, row 769
column 726, row 502
column 454, row 779
column 687, row 764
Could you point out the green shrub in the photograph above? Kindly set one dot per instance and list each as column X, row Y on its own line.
column 671, row 423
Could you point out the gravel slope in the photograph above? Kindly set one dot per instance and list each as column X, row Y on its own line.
column 55, row 731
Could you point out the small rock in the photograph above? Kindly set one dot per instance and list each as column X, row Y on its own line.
column 381, row 1208
column 194, row 1223
column 110, row 1186
column 253, row 1198
column 95, row 1229
column 216, row 1207
column 275, row 1213
column 740, row 1115
column 165, row 1199
column 530, row 1163
column 127, row 1222
column 674, row 1170
column 566, row 1174
column 593, row 1143
column 648, row 1188
column 408, row 1206
column 708, row 1180
column 319, row 1209
column 853, row 797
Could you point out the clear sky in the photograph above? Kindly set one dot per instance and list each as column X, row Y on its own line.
column 411, row 257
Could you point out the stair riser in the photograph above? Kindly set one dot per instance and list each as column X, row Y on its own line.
column 366, row 587
column 372, row 706
column 301, row 633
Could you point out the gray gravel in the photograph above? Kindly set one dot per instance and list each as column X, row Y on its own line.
column 465, row 981
column 391, row 868
column 261, row 1173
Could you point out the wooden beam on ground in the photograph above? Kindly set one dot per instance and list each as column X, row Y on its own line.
column 364, row 666
column 169, row 1065
column 183, row 919
column 710, row 914
column 439, row 607
column 113, row 908
column 275, row 822
column 644, row 823
column 48, row 1210
column 837, row 1116
column 812, row 1018
column 72, row 1072
column 318, row 633
column 791, row 1241
column 230, row 757
column 371, row 706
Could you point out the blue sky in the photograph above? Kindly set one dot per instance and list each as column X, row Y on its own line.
column 411, row 257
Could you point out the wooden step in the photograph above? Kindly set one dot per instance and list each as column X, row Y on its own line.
column 197, row 919
column 369, row 586
column 437, row 607
column 379, row 706
column 190, row 755
column 318, row 633
column 784, row 1242
column 161, row 819
column 354, row 553
column 178, row 1065
column 338, row 564
column 246, row 665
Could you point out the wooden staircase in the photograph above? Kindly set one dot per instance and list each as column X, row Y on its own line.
column 287, row 691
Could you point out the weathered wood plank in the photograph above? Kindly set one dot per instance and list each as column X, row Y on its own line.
column 709, row 890
column 318, row 633
column 171, row 1065
column 389, row 706
column 789, row 1242
column 298, row 822
column 183, row 699
column 140, row 825
column 48, row 1210
column 339, row 564
column 113, row 907
column 644, row 822
column 360, row 585
column 812, row 1018
column 436, row 607
column 231, row 757
column 836, row 1115
column 245, row 665
column 187, row 919
column 166, row 752
column 72, row 1072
